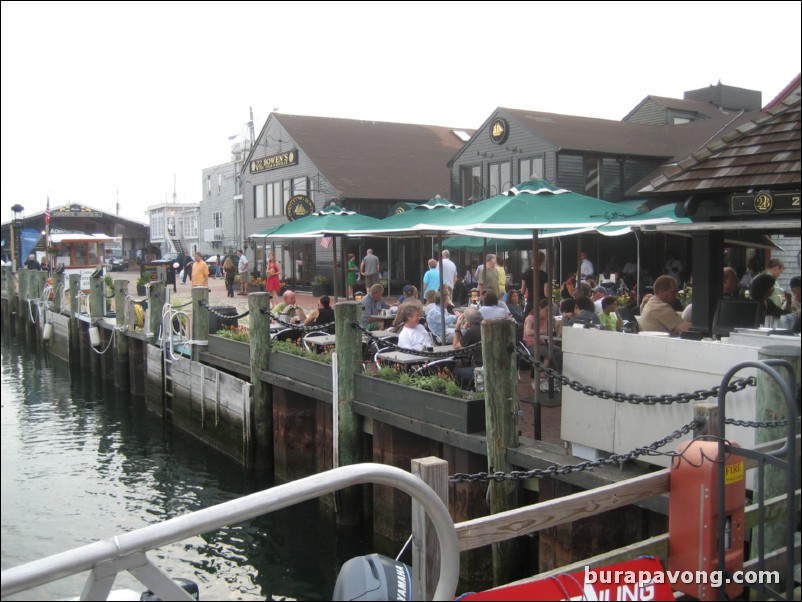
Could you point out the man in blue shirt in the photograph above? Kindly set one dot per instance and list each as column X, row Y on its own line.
column 372, row 304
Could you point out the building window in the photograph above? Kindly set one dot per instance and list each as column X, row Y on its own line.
column 190, row 226
column 217, row 217
column 275, row 201
column 499, row 178
column 299, row 186
column 470, row 183
column 219, row 183
column 259, row 201
column 531, row 169
column 209, row 185
column 590, row 166
column 156, row 226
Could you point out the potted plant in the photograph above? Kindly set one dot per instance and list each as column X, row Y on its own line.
column 320, row 286
column 141, row 283
column 256, row 284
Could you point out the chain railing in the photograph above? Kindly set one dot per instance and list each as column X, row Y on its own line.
column 220, row 316
column 698, row 395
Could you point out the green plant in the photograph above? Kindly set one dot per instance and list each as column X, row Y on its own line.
column 442, row 382
column 256, row 281
column 320, row 279
column 294, row 349
column 143, row 281
column 238, row 333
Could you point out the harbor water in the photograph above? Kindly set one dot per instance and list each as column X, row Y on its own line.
column 82, row 462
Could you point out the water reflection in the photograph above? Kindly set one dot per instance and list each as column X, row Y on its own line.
column 81, row 462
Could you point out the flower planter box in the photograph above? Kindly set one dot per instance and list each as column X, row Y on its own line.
column 256, row 288
column 301, row 369
column 141, row 290
column 236, row 351
column 318, row 290
column 465, row 416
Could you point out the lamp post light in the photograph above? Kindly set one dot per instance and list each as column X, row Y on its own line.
column 18, row 211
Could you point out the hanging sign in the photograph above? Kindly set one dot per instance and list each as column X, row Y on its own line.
column 299, row 206
column 765, row 202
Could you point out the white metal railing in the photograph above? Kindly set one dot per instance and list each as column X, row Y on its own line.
column 127, row 551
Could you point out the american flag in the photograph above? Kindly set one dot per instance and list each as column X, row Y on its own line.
column 47, row 212
column 325, row 242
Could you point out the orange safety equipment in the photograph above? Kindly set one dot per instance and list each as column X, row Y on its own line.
column 693, row 518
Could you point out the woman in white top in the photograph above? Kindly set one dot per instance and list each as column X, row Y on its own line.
column 413, row 335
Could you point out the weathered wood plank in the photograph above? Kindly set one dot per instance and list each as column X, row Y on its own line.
column 521, row 521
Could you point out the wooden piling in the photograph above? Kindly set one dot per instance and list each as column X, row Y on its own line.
column 262, row 395
column 425, row 549
column 37, row 284
column 200, row 319
column 121, row 375
column 502, row 419
column 22, row 301
column 156, row 299
column 706, row 416
column 97, row 297
column 11, row 295
column 75, row 325
column 348, row 423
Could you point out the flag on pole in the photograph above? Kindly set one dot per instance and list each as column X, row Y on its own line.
column 325, row 242
column 47, row 213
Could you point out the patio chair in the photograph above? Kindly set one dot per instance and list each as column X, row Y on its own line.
column 309, row 346
column 436, row 366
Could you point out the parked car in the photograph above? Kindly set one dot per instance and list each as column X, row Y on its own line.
column 115, row 262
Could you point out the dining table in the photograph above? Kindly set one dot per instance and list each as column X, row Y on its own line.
column 406, row 359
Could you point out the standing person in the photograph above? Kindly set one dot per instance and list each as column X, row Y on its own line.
column 353, row 272
column 200, row 271
column 528, row 286
column 370, row 268
column 586, row 269
column 488, row 278
column 450, row 274
column 273, row 282
column 187, row 270
column 502, row 279
column 242, row 269
column 431, row 279
column 229, row 269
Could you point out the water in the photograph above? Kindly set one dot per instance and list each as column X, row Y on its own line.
column 81, row 462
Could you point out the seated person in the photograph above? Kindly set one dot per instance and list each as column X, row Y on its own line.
column 609, row 318
column 434, row 320
column 567, row 309
column 467, row 331
column 762, row 290
column 585, row 312
column 410, row 294
column 492, row 308
column 413, row 335
column 658, row 314
column 323, row 315
column 514, row 305
column 289, row 306
column 372, row 304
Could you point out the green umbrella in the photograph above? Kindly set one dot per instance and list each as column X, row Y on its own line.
column 332, row 220
column 408, row 222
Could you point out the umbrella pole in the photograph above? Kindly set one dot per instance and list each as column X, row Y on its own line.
column 442, row 288
column 334, row 265
column 537, row 286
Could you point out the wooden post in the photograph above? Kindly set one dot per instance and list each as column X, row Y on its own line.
column 348, row 428
column 771, row 406
column 502, row 419
column 97, row 297
column 706, row 413
column 425, row 549
column 262, row 394
column 62, row 285
column 38, row 283
column 121, row 377
column 156, row 299
column 75, row 324
column 22, row 303
column 11, row 291
column 200, row 319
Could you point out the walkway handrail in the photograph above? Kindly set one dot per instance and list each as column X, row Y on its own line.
column 247, row 507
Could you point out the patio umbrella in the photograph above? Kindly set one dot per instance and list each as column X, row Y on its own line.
column 331, row 221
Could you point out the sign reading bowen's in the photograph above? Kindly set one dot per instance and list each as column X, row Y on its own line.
column 299, row 206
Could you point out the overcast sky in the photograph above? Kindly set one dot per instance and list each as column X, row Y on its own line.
column 108, row 100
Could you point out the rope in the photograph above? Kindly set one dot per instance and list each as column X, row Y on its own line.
column 111, row 339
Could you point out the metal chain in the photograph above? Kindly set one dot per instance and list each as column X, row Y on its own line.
column 614, row 459
column 220, row 316
column 698, row 395
column 461, row 352
column 757, row 423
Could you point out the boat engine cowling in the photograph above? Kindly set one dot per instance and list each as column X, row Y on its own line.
column 373, row 577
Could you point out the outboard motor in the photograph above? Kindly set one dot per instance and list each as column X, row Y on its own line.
column 188, row 586
column 373, row 577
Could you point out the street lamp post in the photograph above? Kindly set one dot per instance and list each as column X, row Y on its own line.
column 16, row 223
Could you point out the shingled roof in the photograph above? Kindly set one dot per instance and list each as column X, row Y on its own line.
column 764, row 152
column 365, row 159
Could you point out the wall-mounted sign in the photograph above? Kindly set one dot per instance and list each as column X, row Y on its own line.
column 76, row 210
column 765, row 203
column 499, row 130
column 274, row 161
column 299, row 206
